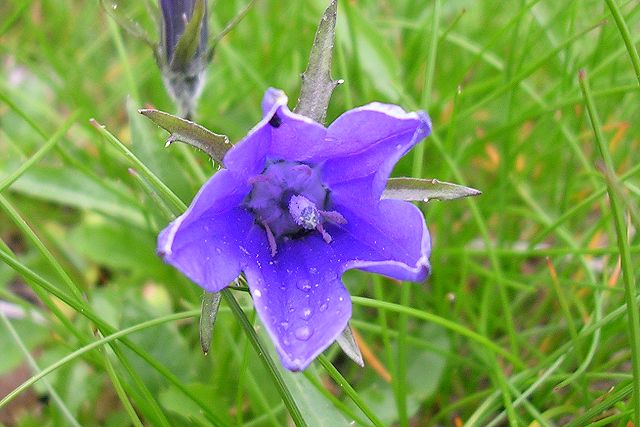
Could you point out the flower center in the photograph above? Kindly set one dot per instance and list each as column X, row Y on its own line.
column 289, row 200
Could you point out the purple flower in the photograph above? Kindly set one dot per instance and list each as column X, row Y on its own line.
column 296, row 205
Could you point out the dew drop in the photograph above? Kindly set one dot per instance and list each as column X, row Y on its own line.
column 313, row 270
column 323, row 306
column 303, row 333
column 257, row 293
column 285, row 325
column 304, row 285
column 218, row 250
column 306, row 313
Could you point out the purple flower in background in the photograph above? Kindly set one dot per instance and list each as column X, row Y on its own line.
column 296, row 205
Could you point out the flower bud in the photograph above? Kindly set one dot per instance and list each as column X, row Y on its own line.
column 183, row 51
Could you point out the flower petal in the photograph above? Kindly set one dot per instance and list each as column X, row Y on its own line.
column 365, row 144
column 300, row 298
column 295, row 137
column 208, row 242
column 248, row 156
column 390, row 239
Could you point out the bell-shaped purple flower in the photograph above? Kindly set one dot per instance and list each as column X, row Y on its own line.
column 295, row 206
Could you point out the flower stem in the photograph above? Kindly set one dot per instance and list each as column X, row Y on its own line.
column 263, row 354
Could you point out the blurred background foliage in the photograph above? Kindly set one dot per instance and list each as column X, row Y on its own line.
column 523, row 321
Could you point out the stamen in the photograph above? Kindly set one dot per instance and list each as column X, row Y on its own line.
column 333, row 216
column 326, row 236
column 304, row 212
column 258, row 178
column 303, row 168
column 271, row 239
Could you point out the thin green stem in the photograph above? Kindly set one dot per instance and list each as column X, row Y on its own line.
column 623, row 245
column 263, row 355
column 448, row 324
column 626, row 36
column 349, row 391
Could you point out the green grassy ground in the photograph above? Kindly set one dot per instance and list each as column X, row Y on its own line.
column 529, row 318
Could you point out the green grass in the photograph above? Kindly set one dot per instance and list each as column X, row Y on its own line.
column 530, row 315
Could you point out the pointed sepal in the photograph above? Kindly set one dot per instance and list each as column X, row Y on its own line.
column 216, row 146
column 317, row 84
column 189, row 41
column 210, row 306
column 348, row 344
column 424, row 190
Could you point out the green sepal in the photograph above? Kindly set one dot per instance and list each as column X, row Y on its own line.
column 215, row 145
column 348, row 344
column 317, row 84
column 424, row 190
column 188, row 43
column 210, row 306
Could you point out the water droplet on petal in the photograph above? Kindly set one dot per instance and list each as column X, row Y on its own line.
column 313, row 270
column 285, row 325
column 304, row 285
column 304, row 332
column 323, row 306
column 218, row 250
column 257, row 293
column 306, row 313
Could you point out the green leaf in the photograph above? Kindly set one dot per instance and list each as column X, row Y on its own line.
column 175, row 401
column 315, row 408
column 69, row 188
column 424, row 190
column 210, row 306
column 32, row 333
column 113, row 245
column 424, row 372
column 216, row 146
column 317, row 84
column 348, row 344
column 188, row 43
